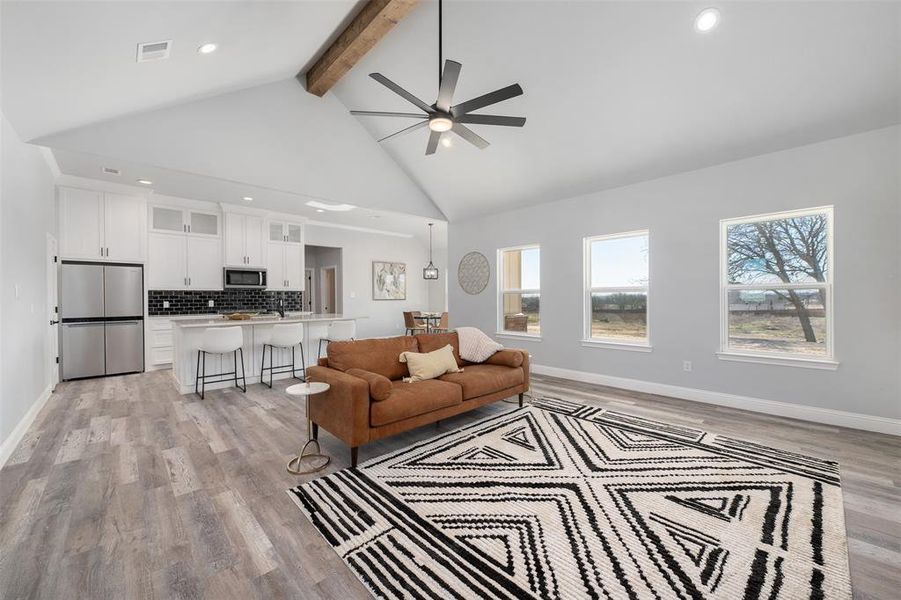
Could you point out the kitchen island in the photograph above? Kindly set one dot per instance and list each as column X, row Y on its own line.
column 188, row 333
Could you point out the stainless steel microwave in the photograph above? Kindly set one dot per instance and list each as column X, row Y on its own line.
column 254, row 279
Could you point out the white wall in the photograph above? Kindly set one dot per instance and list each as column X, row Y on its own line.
column 859, row 175
column 27, row 214
column 359, row 249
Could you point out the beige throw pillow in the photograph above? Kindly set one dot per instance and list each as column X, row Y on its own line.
column 429, row 365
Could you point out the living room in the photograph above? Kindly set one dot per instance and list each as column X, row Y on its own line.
column 470, row 299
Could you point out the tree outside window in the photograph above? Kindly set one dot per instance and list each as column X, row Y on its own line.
column 778, row 284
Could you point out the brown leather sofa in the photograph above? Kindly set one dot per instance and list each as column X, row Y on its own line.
column 367, row 399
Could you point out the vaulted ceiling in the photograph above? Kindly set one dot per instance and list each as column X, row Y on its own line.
column 615, row 92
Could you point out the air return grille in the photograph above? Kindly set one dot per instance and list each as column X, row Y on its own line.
column 111, row 171
column 153, row 50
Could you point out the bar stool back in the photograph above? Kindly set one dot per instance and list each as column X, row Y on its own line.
column 284, row 335
column 220, row 340
column 338, row 331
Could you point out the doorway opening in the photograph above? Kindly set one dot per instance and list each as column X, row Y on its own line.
column 323, row 288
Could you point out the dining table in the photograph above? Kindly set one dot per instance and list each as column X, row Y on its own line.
column 431, row 320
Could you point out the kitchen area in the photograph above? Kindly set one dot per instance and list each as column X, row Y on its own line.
column 143, row 276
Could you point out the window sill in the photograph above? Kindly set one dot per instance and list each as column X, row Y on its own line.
column 618, row 346
column 519, row 336
column 824, row 364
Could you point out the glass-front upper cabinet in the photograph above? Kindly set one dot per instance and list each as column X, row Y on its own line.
column 281, row 231
column 202, row 223
column 163, row 218
column 169, row 219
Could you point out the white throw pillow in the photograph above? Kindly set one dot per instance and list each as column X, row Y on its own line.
column 429, row 365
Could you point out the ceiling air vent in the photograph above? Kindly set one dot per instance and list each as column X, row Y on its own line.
column 111, row 171
column 153, row 50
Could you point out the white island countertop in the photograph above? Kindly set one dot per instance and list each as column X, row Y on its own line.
column 264, row 320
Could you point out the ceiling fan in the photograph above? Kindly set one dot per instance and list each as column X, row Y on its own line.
column 442, row 116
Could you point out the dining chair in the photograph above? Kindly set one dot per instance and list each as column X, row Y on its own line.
column 442, row 326
column 413, row 326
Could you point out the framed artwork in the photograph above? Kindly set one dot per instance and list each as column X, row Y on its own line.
column 389, row 280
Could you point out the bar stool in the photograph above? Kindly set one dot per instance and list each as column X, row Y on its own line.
column 284, row 335
column 338, row 331
column 220, row 340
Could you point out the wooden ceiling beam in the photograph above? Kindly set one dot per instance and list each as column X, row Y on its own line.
column 370, row 25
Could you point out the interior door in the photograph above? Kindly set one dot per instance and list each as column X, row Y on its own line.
column 80, row 223
column 124, row 346
column 167, row 261
column 328, row 290
column 123, row 291
column 124, row 227
column 82, row 291
column 52, row 310
column 204, row 263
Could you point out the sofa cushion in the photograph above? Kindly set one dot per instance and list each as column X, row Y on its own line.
column 412, row 399
column 429, row 342
column 378, row 356
column 379, row 385
column 506, row 358
column 478, row 380
column 429, row 365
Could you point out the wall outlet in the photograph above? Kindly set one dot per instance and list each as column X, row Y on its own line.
column 211, row 304
column 686, row 366
column 165, row 304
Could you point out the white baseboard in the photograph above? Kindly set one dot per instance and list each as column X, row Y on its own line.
column 12, row 441
column 771, row 407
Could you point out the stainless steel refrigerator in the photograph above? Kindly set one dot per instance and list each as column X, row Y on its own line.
column 102, row 312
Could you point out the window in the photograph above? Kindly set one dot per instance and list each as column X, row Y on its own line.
column 519, row 290
column 616, row 288
column 777, row 285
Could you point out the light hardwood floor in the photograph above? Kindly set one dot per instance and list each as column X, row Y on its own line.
column 124, row 489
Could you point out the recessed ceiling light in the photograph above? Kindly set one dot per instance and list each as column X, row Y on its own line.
column 327, row 206
column 446, row 142
column 319, row 210
column 208, row 48
column 145, row 182
column 247, row 198
column 707, row 20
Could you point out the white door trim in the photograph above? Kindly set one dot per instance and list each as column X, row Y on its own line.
column 52, row 313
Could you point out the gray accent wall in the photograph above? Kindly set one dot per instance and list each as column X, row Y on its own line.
column 858, row 175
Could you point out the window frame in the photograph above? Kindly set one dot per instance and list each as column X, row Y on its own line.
column 587, row 290
column 501, row 291
column 725, row 352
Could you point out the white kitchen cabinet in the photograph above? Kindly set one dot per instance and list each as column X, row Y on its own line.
column 170, row 219
column 184, row 262
column 204, row 270
column 167, row 267
column 123, row 227
column 245, row 242
column 285, row 263
column 275, row 267
column 101, row 226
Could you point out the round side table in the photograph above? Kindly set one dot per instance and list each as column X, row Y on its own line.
column 305, row 463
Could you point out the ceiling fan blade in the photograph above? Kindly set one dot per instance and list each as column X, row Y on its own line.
column 402, row 92
column 434, row 138
column 448, row 84
column 377, row 113
column 492, row 120
column 511, row 91
column 405, row 130
column 470, row 136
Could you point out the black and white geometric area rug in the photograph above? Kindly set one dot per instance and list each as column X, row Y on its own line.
column 564, row 500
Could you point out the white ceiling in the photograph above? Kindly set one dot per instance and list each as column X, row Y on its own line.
column 615, row 92
column 619, row 92
column 71, row 63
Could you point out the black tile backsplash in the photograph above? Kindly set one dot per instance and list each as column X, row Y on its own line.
column 183, row 302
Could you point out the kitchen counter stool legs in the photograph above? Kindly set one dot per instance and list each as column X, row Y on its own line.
column 220, row 340
column 286, row 335
column 314, row 460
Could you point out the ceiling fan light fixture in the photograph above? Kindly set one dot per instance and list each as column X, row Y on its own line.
column 440, row 124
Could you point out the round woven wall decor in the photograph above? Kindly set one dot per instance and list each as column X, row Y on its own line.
column 473, row 273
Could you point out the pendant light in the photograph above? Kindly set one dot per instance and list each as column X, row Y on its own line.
column 431, row 271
